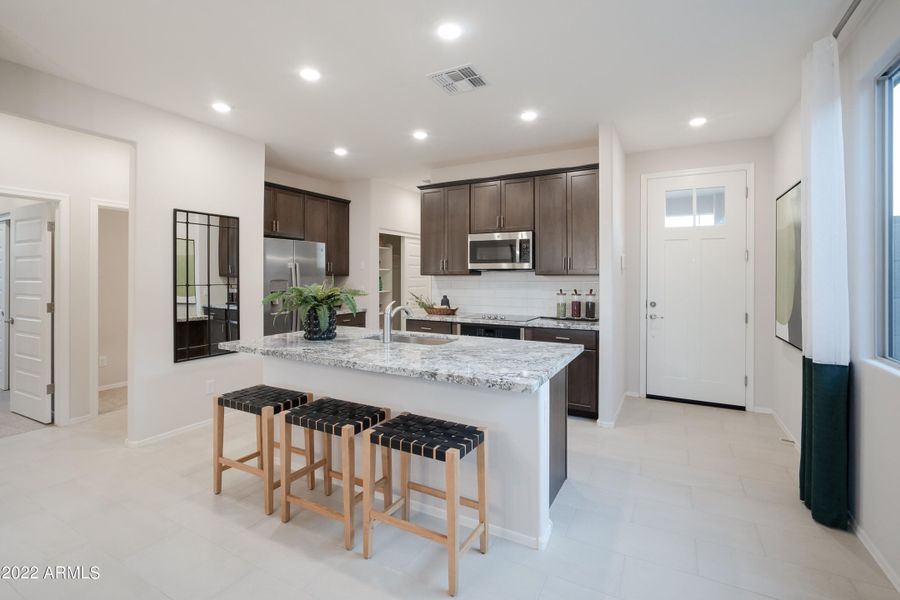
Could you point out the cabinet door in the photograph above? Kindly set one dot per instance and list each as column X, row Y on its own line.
column 457, row 231
column 289, row 214
column 433, row 231
column 228, row 247
column 269, row 214
column 337, row 250
column 316, row 219
column 486, row 207
column 518, row 204
column 584, row 222
column 426, row 326
column 551, row 229
column 582, row 375
column 351, row 320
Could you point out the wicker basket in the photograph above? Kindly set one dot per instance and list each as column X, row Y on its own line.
column 441, row 310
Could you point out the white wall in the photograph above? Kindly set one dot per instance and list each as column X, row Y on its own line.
column 757, row 151
column 112, row 274
column 39, row 157
column 302, row 181
column 787, row 361
column 875, row 409
column 177, row 163
column 558, row 159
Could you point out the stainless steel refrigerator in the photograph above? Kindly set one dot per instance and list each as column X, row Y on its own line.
column 289, row 263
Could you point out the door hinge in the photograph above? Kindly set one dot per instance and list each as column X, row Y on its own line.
column 51, row 388
column 51, row 226
column 747, row 318
column 50, row 307
column 746, row 381
column 746, row 193
column 746, row 255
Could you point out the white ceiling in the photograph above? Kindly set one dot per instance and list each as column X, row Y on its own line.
column 645, row 65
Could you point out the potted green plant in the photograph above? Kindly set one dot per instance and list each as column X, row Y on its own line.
column 317, row 306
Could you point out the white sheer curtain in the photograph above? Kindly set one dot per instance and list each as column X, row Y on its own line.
column 826, row 305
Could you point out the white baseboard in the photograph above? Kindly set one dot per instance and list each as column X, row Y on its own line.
column 75, row 421
column 112, row 386
column 175, row 432
column 889, row 570
column 467, row 521
column 768, row 411
column 612, row 424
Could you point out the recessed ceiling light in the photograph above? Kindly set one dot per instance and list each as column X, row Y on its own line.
column 697, row 122
column 420, row 134
column 221, row 107
column 449, row 31
column 310, row 74
column 528, row 115
column 340, row 151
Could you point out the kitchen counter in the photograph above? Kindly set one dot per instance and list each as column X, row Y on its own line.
column 540, row 322
column 508, row 365
column 516, row 389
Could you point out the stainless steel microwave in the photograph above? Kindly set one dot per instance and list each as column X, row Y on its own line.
column 501, row 251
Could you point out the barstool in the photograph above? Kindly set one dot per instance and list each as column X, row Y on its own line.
column 331, row 417
column 434, row 439
column 265, row 402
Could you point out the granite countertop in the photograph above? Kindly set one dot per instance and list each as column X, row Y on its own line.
column 508, row 365
column 541, row 322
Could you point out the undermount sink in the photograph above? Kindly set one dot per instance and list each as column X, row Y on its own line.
column 418, row 339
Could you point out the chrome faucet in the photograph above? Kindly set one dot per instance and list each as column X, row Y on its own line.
column 389, row 312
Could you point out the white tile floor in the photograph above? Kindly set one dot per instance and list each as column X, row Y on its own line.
column 678, row 502
column 10, row 422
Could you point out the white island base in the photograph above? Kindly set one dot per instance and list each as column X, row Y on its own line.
column 519, row 425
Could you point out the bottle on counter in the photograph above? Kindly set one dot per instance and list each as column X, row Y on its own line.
column 576, row 305
column 590, row 305
column 562, row 306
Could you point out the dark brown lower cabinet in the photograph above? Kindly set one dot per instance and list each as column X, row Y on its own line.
column 582, row 372
column 351, row 320
column 426, row 326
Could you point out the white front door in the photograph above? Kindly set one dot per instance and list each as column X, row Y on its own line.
column 4, row 305
column 31, row 331
column 696, row 287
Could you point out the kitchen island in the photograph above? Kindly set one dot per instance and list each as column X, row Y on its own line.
column 514, row 388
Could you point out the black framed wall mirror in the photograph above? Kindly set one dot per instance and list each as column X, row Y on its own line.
column 205, row 286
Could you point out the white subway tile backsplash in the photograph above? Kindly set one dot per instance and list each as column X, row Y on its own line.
column 508, row 291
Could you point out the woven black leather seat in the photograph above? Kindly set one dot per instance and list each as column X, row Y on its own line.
column 425, row 436
column 253, row 399
column 329, row 415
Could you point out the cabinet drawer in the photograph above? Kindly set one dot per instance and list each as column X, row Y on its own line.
column 351, row 320
column 588, row 339
column 429, row 326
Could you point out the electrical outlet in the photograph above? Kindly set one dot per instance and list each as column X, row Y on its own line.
column 104, row 360
column 210, row 386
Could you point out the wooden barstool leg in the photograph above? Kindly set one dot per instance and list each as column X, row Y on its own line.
column 218, row 440
column 482, row 491
column 368, row 456
column 286, row 468
column 404, row 485
column 348, row 482
column 310, row 435
column 387, row 472
column 259, row 441
column 268, row 448
column 326, row 446
column 451, row 472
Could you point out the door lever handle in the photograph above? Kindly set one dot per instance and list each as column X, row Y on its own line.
column 654, row 317
column 10, row 321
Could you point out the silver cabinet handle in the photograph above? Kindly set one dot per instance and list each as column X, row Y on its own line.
column 565, row 339
column 423, row 328
column 502, row 221
column 498, row 222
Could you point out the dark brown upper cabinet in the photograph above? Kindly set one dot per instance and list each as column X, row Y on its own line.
column 445, row 231
column 504, row 205
column 316, row 219
column 337, row 248
column 567, row 208
column 283, row 213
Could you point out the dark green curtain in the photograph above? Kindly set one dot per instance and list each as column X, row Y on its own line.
column 824, row 451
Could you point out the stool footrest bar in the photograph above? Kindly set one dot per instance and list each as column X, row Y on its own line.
column 429, row 534
column 436, row 493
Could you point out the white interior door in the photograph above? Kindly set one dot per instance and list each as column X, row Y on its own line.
column 696, row 287
column 31, row 330
column 4, row 305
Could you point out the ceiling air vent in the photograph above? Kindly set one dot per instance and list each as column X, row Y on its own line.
column 458, row 79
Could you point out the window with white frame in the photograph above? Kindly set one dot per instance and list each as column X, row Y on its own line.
column 891, row 174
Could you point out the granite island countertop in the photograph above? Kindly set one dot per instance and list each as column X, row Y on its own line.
column 539, row 322
column 507, row 365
